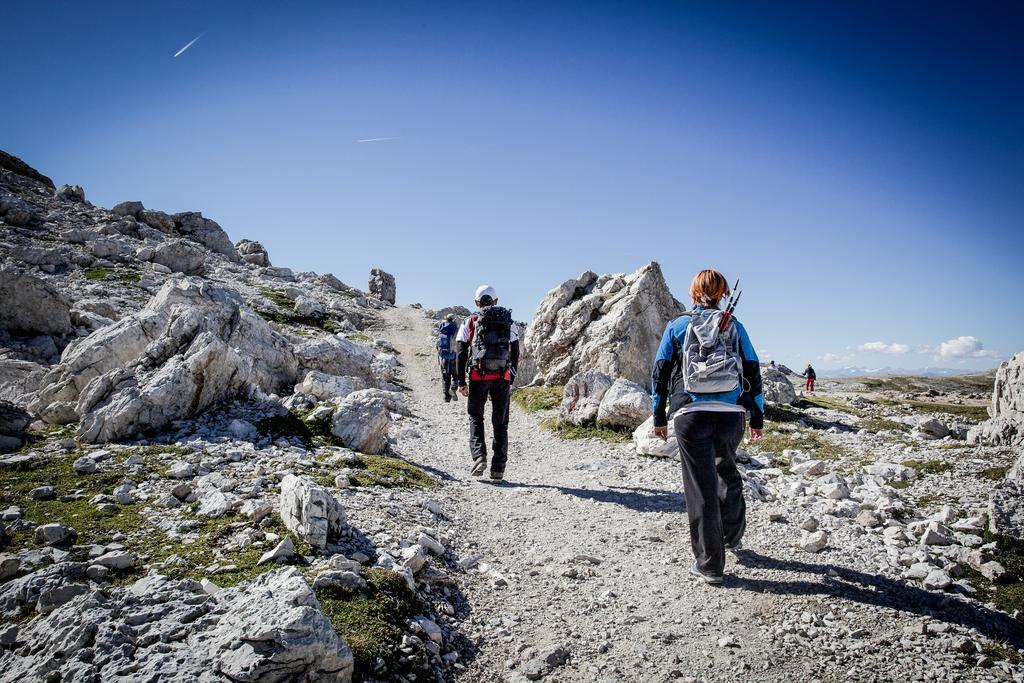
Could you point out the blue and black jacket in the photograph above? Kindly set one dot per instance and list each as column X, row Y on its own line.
column 667, row 376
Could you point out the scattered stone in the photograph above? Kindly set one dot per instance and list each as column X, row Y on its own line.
column 814, row 541
column 310, row 511
column 282, row 550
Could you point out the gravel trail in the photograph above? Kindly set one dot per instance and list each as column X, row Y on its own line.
column 582, row 569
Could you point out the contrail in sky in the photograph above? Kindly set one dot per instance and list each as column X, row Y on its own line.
column 190, row 44
column 376, row 139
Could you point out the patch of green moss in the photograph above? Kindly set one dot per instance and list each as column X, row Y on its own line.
column 278, row 298
column 389, row 472
column 828, row 404
column 535, row 399
column 371, row 620
column 776, row 441
column 128, row 275
column 899, row 484
column 164, row 449
column 881, row 424
column 97, row 273
column 568, row 431
column 928, row 466
column 994, row 473
column 361, row 338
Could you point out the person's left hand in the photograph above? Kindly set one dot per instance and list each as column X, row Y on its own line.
column 464, row 390
column 661, row 433
column 756, row 435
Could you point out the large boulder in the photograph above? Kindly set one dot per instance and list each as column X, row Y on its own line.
column 776, row 386
column 646, row 443
column 130, row 208
column 70, row 193
column 382, row 286
column 626, row 404
column 581, row 399
column 266, row 630
column 361, row 421
column 324, row 387
column 611, row 323
column 253, row 252
column 207, row 232
column 19, row 379
column 1006, row 509
column 16, row 211
column 192, row 346
column 311, row 512
column 30, row 305
column 181, row 256
column 1006, row 425
column 335, row 355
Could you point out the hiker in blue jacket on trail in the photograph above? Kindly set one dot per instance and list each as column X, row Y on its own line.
column 706, row 378
column 446, row 356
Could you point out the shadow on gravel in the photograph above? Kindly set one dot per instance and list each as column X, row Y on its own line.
column 878, row 591
column 633, row 498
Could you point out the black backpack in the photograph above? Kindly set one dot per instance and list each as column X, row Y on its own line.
column 492, row 335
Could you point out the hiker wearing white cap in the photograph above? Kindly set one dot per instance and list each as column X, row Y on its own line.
column 488, row 348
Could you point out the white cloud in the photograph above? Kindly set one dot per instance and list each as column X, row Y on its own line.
column 834, row 358
column 881, row 347
column 965, row 346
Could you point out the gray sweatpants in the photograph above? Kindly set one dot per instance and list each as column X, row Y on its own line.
column 714, row 490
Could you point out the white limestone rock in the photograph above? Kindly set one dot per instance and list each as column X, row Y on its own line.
column 310, row 511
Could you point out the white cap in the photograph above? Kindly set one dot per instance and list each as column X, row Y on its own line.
column 485, row 290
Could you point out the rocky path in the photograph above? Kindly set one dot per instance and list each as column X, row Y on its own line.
column 582, row 552
column 577, row 570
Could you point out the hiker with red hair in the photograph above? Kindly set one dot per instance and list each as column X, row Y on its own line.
column 706, row 378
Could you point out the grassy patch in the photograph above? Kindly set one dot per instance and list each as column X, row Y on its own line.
column 994, row 473
column 975, row 413
column 535, row 399
column 362, row 338
column 92, row 525
column 882, row 424
column 278, row 298
column 928, row 466
column 828, row 404
column 311, row 433
column 899, row 484
column 372, row 619
column 97, row 273
column 381, row 470
column 568, row 431
column 776, row 441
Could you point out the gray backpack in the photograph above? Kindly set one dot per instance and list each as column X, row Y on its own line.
column 712, row 362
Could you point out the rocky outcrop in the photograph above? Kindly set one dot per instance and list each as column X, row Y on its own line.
column 11, row 163
column 611, row 323
column 361, row 421
column 70, row 193
column 180, row 256
column 266, row 630
column 338, row 356
column 382, row 286
column 1006, row 425
column 207, row 232
column 13, row 422
column 311, row 512
column 776, row 386
column 253, row 252
column 192, row 346
column 30, row 305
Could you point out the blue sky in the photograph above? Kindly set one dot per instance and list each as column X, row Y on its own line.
column 857, row 166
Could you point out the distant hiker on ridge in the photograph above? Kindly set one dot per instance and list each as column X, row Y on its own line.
column 706, row 375
column 488, row 347
column 811, row 375
column 446, row 355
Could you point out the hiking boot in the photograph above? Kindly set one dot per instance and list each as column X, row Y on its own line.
column 734, row 548
column 447, row 398
column 496, row 477
column 478, row 469
column 714, row 580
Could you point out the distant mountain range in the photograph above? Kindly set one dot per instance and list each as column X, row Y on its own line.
column 886, row 371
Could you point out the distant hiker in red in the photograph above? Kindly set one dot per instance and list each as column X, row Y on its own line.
column 811, row 375
column 488, row 347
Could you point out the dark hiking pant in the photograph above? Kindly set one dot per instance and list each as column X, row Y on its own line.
column 447, row 376
column 714, row 490
column 498, row 391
